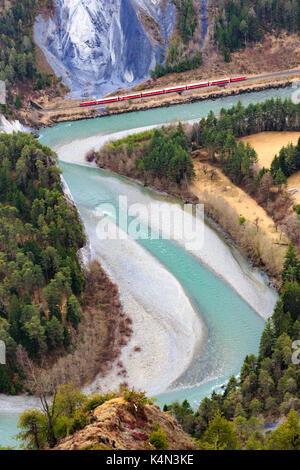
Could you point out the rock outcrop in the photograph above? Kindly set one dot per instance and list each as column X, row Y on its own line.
column 116, row 426
column 100, row 45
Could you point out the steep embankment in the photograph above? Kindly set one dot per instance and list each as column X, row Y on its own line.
column 100, row 46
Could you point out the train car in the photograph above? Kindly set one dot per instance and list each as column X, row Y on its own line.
column 130, row 97
column 193, row 86
column 237, row 79
column 111, row 99
column 175, row 89
column 152, row 93
column 223, row 81
column 88, row 103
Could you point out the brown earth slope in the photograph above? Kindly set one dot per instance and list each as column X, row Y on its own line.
column 116, row 426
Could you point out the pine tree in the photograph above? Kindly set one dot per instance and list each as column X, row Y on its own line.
column 291, row 267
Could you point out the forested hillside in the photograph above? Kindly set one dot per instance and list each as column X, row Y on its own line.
column 17, row 48
column 267, row 389
column 234, row 25
column 41, row 280
column 241, row 22
column 268, row 386
column 18, row 53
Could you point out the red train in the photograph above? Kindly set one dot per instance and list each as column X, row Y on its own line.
column 176, row 89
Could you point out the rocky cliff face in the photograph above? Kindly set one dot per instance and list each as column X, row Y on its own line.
column 100, row 45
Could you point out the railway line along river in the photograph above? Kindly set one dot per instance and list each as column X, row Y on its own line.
column 195, row 315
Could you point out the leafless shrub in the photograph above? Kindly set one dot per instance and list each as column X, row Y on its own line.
column 253, row 243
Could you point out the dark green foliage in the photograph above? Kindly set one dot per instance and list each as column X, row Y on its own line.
column 269, row 385
column 179, row 65
column 291, row 268
column 168, row 155
column 18, row 102
column 219, row 136
column 17, row 49
column 184, row 415
column 161, row 153
column 241, row 22
column 187, row 18
column 296, row 208
column 40, row 234
column 286, row 163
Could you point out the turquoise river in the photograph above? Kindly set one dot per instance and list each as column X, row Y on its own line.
column 195, row 315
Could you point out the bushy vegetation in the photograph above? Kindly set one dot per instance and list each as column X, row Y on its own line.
column 64, row 415
column 175, row 63
column 158, row 154
column 41, row 280
column 241, row 22
column 158, row 438
column 268, row 386
column 97, row 400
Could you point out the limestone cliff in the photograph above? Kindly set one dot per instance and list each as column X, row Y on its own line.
column 100, row 45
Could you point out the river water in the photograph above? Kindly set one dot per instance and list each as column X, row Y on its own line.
column 195, row 315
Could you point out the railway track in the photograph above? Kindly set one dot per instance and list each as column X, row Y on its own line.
column 178, row 89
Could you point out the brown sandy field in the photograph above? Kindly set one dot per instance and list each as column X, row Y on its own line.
column 238, row 199
column 268, row 144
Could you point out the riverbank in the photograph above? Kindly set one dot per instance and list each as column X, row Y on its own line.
column 257, row 237
column 102, row 333
column 166, row 330
column 64, row 111
column 202, row 94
